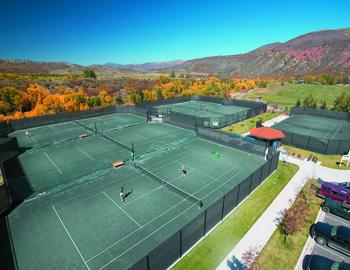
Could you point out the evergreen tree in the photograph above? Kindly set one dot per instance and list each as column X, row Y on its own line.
column 310, row 102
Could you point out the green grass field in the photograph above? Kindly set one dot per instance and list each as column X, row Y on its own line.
column 330, row 161
column 280, row 255
column 288, row 94
column 209, row 253
column 244, row 126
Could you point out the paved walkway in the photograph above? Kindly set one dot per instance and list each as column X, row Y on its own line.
column 272, row 121
column 262, row 230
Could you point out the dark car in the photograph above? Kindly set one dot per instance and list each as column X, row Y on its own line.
column 316, row 262
column 345, row 185
column 337, row 208
column 335, row 237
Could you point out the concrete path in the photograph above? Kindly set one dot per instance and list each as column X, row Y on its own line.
column 271, row 122
column 262, row 230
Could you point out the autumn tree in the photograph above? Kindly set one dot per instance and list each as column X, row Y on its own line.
column 250, row 259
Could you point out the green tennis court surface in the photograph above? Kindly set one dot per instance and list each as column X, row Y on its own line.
column 81, row 222
column 201, row 109
column 318, row 127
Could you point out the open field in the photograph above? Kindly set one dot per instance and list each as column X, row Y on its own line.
column 277, row 254
column 244, row 126
column 288, row 94
column 220, row 241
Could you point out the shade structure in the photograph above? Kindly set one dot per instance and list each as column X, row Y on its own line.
column 267, row 133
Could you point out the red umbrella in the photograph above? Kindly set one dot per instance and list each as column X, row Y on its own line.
column 267, row 133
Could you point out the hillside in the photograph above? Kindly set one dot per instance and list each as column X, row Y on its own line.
column 316, row 52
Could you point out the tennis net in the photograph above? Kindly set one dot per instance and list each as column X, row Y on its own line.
column 117, row 143
column 84, row 126
column 166, row 184
column 310, row 127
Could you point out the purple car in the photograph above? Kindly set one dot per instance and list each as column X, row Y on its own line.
column 334, row 192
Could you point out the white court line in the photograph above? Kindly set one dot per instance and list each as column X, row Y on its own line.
column 122, row 209
column 81, row 256
column 165, row 223
column 35, row 141
column 163, row 214
column 81, row 150
column 54, row 130
column 113, row 186
column 52, row 162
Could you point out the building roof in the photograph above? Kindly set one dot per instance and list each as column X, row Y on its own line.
column 267, row 133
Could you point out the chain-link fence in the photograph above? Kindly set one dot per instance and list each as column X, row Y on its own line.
column 190, row 120
column 321, row 113
column 315, row 144
column 237, row 142
column 180, row 242
column 59, row 117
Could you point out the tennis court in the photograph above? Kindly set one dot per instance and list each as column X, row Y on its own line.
column 319, row 134
column 81, row 223
column 201, row 109
column 319, row 127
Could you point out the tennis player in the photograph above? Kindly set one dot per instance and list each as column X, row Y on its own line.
column 121, row 194
column 183, row 170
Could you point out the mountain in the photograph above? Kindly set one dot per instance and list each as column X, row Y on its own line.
column 27, row 66
column 316, row 52
column 147, row 66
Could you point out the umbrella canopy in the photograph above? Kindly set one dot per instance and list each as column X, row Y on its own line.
column 267, row 133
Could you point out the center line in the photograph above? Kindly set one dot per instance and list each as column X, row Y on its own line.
column 52, row 162
column 122, row 209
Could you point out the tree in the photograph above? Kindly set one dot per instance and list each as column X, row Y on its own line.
column 288, row 223
column 310, row 102
column 94, row 102
column 298, row 103
column 173, row 75
column 106, row 99
column 323, row 105
column 8, row 97
column 250, row 259
column 89, row 73
column 342, row 103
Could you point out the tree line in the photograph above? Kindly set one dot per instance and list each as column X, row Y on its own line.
column 341, row 103
column 36, row 100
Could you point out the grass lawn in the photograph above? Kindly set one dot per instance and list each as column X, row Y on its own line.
column 209, row 253
column 244, row 126
column 277, row 254
column 330, row 161
column 288, row 94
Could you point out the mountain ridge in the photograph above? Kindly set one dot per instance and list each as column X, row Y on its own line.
column 324, row 51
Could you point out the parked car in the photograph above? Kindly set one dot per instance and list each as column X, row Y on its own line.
column 338, row 208
column 345, row 185
column 335, row 237
column 335, row 192
column 316, row 262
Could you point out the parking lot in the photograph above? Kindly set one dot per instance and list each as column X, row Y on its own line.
column 325, row 251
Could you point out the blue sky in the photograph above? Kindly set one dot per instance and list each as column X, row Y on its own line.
column 96, row 32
